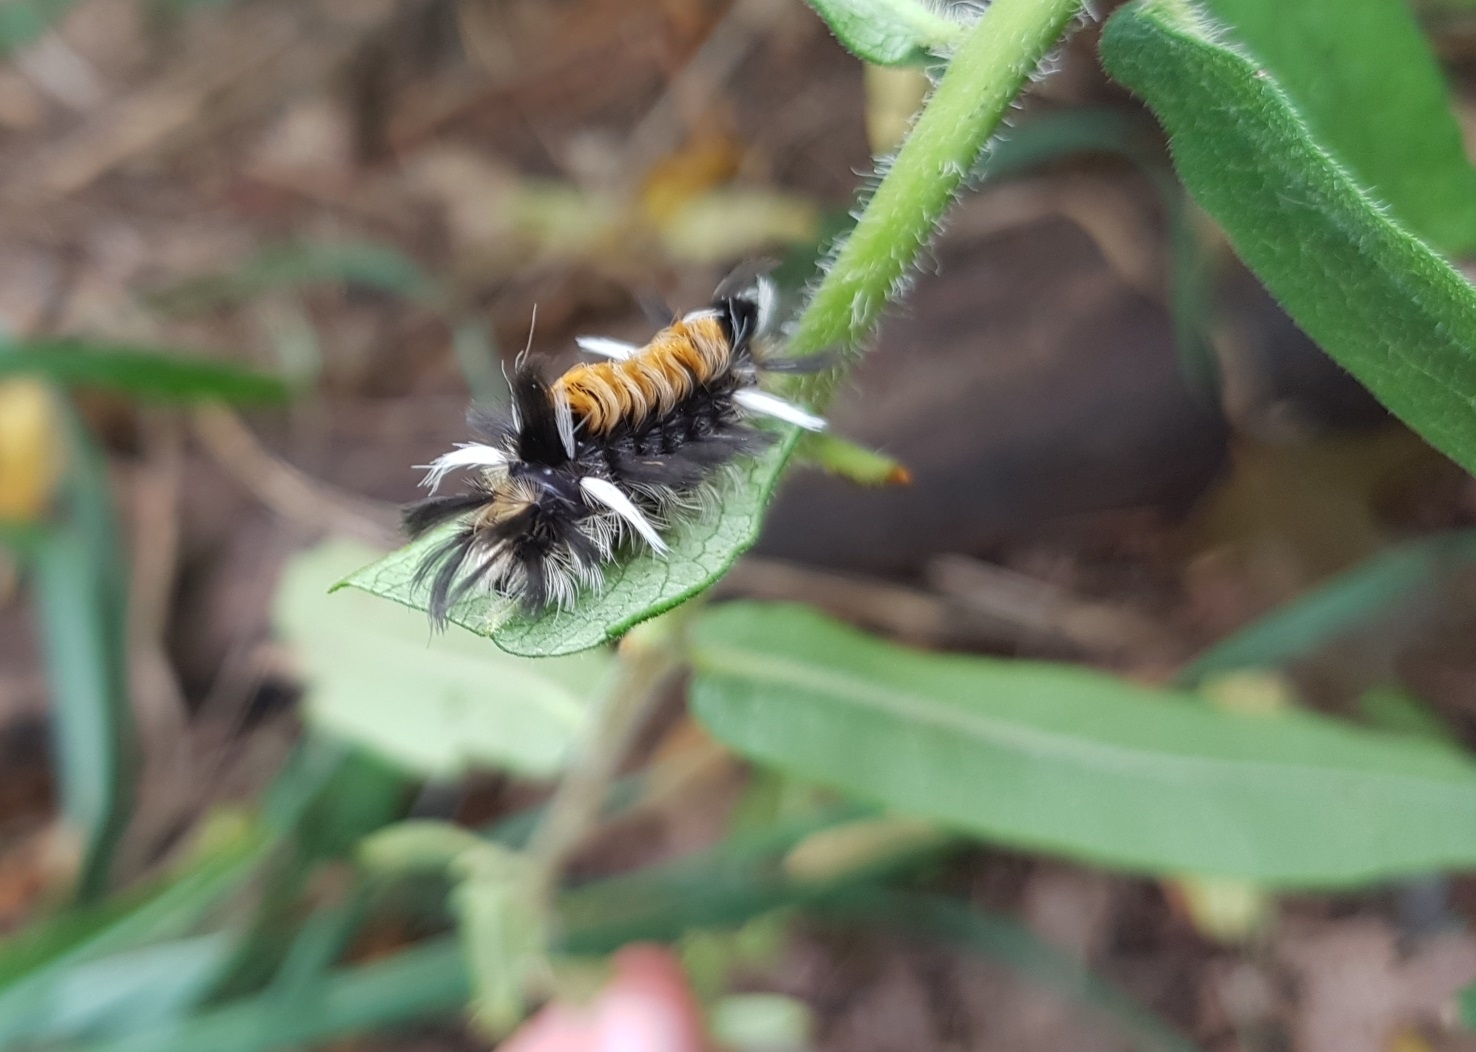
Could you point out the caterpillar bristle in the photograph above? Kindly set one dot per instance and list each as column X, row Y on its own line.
column 606, row 458
column 425, row 515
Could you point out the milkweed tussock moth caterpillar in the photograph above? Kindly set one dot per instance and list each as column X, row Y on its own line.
column 605, row 458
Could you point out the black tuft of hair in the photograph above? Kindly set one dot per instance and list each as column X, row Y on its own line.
column 739, row 318
column 425, row 514
column 443, row 566
column 538, row 431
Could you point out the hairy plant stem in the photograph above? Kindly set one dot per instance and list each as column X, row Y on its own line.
column 986, row 72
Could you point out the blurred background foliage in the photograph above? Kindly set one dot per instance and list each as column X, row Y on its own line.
column 1194, row 775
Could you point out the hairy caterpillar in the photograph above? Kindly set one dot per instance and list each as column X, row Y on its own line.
column 608, row 455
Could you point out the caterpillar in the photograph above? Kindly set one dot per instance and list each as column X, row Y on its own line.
column 608, row 456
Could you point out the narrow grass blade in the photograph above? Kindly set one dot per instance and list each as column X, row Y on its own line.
column 1354, row 597
column 80, row 586
column 417, row 983
column 138, row 372
column 39, row 966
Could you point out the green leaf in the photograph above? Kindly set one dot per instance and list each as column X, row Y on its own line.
column 636, row 589
column 502, row 920
column 91, row 726
column 23, row 539
column 417, row 845
column 147, row 986
column 364, row 793
column 1352, row 598
column 81, row 599
column 1395, row 709
column 422, row 981
column 1064, row 760
column 1466, row 1001
column 138, row 372
column 433, row 704
column 889, row 32
column 363, row 263
column 1371, row 294
column 1361, row 73
column 732, row 883
column 762, row 1023
column 727, row 885
column 40, row 968
column 23, row 21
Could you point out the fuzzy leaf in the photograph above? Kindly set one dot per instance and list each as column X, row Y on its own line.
column 1061, row 759
column 635, row 590
column 889, row 32
column 1361, row 73
column 1371, row 294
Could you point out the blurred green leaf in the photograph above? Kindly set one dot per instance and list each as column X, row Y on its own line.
column 889, row 32
column 1354, row 597
column 365, row 792
column 1014, row 946
column 416, row 983
column 436, row 705
column 762, row 1023
column 637, row 588
column 1060, row 759
column 43, row 985
column 739, row 879
column 320, row 941
column 90, row 724
column 1394, row 709
column 81, row 599
column 153, row 984
column 24, row 21
column 477, row 357
column 730, row 884
column 324, row 799
column 138, row 372
column 1371, row 294
column 1361, row 74
column 503, row 932
column 417, row 845
column 1466, row 1002
column 364, row 264
column 22, row 538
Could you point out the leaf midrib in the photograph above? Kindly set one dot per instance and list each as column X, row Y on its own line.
column 1112, row 758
